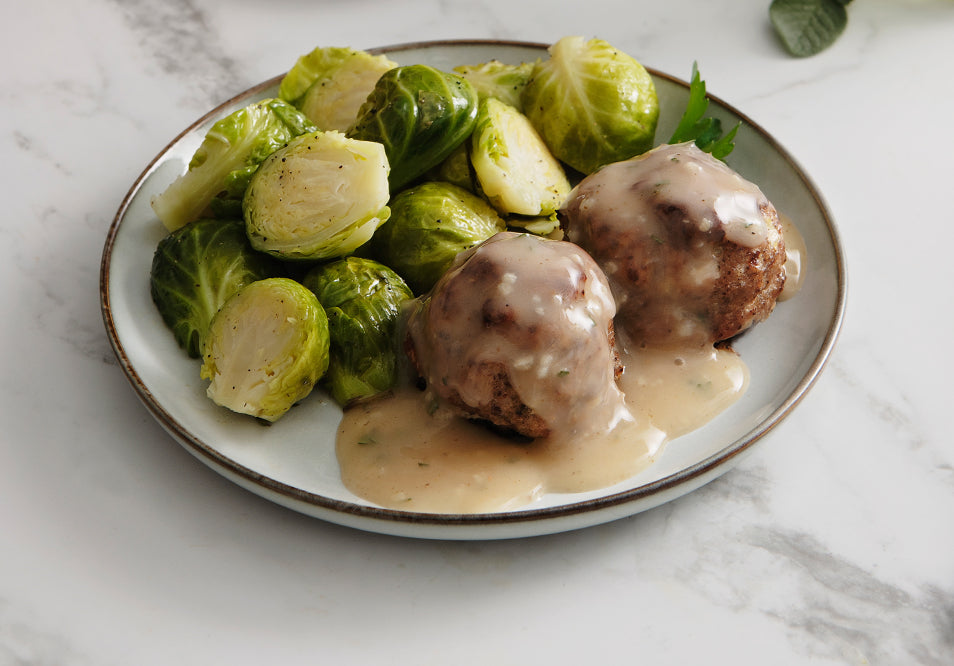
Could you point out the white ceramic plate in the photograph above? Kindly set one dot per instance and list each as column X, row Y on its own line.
column 293, row 462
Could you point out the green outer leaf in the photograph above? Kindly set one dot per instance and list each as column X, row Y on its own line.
column 592, row 103
column 429, row 225
column 500, row 80
column 420, row 115
column 196, row 269
column 808, row 27
column 363, row 301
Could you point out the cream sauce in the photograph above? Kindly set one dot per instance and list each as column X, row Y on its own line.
column 674, row 230
column 796, row 253
column 709, row 195
column 542, row 309
column 408, row 452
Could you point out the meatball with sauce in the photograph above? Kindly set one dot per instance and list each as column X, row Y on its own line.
column 693, row 251
column 519, row 333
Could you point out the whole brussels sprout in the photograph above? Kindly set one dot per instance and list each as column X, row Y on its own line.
column 420, row 115
column 195, row 269
column 266, row 348
column 319, row 197
column 592, row 103
column 430, row 223
column 499, row 80
column 362, row 299
column 330, row 84
column 515, row 169
column 456, row 169
column 230, row 152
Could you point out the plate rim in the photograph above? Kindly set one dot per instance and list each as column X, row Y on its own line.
column 320, row 505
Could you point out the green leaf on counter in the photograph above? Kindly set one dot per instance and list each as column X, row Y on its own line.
column 807, row 27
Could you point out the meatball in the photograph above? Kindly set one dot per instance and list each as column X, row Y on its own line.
column 694, row 252
column 519, row 333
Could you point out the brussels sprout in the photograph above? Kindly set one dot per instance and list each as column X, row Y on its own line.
column 266, row 348
column 516, row 171
column 420, row 115
column 497, row 79
column 330, row 84
column 592, row 103
column 239, row 142
column 321, row 196
column 362, row 299
column 430, row 223
column 456, row 169
column 538, row 226
column 194, row 271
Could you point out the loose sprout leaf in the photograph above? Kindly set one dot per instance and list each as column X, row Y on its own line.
column 706, row 132
column 807, row 27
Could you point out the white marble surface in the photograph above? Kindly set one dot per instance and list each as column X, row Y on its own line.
column 833, row 543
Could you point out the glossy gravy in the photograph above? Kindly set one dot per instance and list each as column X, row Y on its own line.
column 409, row 452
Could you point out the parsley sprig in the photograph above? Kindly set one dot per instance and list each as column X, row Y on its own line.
column 695, row 126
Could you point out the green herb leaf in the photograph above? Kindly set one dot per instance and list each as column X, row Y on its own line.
column 695, row 126
column 807, row 27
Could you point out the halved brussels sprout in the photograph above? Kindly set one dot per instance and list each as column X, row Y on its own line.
column 195, row 269
column 237, row 143
column 362, row 299
column 266, row 348
column 321, row 196
column 499, row 80
column 516, row 170
column 592, row 103
column 420, row 115
column 330, row 84
column 430, row 223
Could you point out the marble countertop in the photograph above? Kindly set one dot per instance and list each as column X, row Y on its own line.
column 832, row 543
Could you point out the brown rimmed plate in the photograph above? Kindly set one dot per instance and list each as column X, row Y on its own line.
column 293, row 461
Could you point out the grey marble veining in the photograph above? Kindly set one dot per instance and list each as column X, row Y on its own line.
column 181, row 38
column 831, row 543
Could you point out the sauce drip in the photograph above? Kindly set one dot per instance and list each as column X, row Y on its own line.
column 796, row 253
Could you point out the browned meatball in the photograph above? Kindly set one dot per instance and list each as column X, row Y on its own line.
column 519, row 332
column 693, row 251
